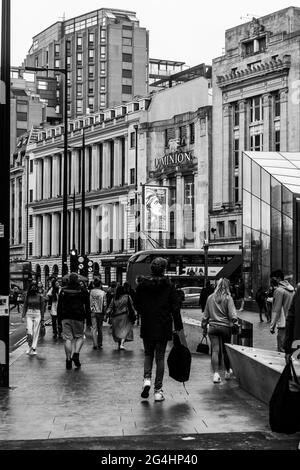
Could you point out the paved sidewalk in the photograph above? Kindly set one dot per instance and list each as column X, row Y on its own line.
column 102, row 400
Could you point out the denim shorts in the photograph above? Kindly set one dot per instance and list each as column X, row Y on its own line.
column 72, row 329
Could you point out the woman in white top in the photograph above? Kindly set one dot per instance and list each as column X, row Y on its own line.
column 220, row 314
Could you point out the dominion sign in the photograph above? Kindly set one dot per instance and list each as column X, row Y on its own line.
column 173, row 159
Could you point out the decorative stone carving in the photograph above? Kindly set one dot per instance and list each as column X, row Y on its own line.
column 256, row 27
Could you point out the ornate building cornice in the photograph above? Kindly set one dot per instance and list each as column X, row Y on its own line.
column 259, row 70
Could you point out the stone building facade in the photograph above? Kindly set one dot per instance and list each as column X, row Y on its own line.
column 173, row 124
column 256, row 107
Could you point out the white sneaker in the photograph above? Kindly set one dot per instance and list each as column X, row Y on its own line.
column 33, row 352
column 159, row 395
column 146, row 388
column 217, row 378
column 228, row 374
column 28, row 351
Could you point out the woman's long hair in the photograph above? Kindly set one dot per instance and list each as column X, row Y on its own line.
column 222, row 291
column 119, row 292
column 55, row 290
column 32, row 289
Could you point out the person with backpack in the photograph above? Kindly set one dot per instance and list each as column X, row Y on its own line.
column 156, row 301
column 218, row 319
column 98, row 309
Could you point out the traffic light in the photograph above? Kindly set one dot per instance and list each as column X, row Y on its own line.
column 85, row 265
column 73, row 261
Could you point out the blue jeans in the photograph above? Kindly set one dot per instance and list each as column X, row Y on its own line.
column 157, row 348
column 219, row 335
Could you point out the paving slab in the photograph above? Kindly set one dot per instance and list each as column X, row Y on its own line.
column 102, row 401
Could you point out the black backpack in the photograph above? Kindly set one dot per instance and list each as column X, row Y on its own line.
column 179, row 361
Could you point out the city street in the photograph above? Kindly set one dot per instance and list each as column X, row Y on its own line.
column 99, row 406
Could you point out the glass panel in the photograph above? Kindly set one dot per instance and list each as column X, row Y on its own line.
column 277, row 163
column 246, row 173
column 266, row 155
column 265, row 186
column 265, row 277
column 276, row 223
column 287, row 202
column 287, row 245
column 289, row 180
column 255, row 213
column 265, row 250
column 256, row 260
column 246, row 247
column 276, row 254
column 291, row 155
column 255, row 179
column 275, row 194
column 246, row 208
column 265, row 218
column 283, row 171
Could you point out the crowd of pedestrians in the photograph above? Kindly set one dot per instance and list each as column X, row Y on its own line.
column 155, row 306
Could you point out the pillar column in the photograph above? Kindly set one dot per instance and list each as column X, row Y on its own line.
column 115, row 227
column 37, row 180
column 284, row 120
column 74, row 172
column 46, row 236
column 126, row 179
column 96, row 166
column 38, row 235
column 94, row 237
column 267, row 146
column 106, row 165
column 55, row 235
column 45, row 194
column 118, row 162
column 166, row 235
column 227, row 176
column 179, row 211
column 242, row 141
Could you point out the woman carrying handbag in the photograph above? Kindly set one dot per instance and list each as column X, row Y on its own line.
column 220, row 315
column 121, row 318
column 34, row 311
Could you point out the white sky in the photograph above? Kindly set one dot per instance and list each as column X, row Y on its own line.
column 190, row 31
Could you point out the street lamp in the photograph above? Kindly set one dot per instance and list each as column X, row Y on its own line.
column 65, row 167
column 205, row 248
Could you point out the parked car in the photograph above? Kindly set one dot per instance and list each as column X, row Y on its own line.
column 192, row 296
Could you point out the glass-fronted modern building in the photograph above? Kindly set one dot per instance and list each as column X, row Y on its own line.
column 271, row 216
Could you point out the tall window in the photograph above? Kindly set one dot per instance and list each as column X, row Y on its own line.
column 256, row 109
column 236, row 189
column 256, row 143
column 189, row 200
column 132, row 140
column 232, row 228
column 132, row 176
column 236, row 114
column 79, row 58
column 236, row 153
column 277, row 141
column 221, row 229
column 79, row 90
column 192, row 133
column 277, row 104
column 91, row 55
column 79, row 75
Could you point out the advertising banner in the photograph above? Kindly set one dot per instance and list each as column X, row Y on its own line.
column 156, row 209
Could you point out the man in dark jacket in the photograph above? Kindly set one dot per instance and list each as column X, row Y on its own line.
column 205, row 293
column 292, row 327
column 73, row 309
column 156, row 302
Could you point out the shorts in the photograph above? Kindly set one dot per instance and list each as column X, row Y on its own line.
column 72, row 329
